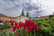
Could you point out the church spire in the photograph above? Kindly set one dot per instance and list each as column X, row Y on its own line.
column 27, row 15
column 22, row 14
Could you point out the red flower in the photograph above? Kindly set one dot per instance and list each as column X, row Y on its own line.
column 17, row 27
column 24, row 24
column 32, row 22
column 28, row 31
column 16, row 34
column 38, row 29
column 36, row 24
column 12, row 23
column 16, row 23
column 28, row 22
column 14, row 28
column 31, row 27
column 34, row 30
column 20, row 24
column 28, row 28
column 24, row 27
column 23, row 31
column 35, row 27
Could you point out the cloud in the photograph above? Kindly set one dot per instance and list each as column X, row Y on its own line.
column 14, row 7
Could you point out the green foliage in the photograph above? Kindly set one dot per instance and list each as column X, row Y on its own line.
column 1, row 33
column 6, row 25
column 46, row 25
column 10, row 34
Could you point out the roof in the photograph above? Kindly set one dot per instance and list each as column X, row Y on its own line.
column 19, row 16
column 42, row 17
column 36, row 17
column 2, row 15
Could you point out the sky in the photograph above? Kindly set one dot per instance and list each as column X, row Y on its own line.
column 34, row 7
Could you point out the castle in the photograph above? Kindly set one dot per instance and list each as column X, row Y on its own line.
column 22, row 17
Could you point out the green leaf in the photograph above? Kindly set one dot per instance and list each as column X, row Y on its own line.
column 10, row 34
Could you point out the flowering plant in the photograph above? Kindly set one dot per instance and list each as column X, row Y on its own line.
column 26, row 28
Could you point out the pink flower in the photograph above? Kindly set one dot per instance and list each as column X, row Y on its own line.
column 14, row 28
column 20, row 24
column 24, row 27
column 23, row 31
column 34, row 30
column 36, row 24
column 17, row 27
column 16, row 34
column 31, row 27
column 28, row 31
column 28, row 22
column 37, row 29
column 32, row 22
column 12, row 23
column 16, row 23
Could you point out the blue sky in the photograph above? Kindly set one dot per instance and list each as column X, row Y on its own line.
column 34, row 7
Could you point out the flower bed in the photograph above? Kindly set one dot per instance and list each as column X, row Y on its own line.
column 21, row 28
column 29, row 28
